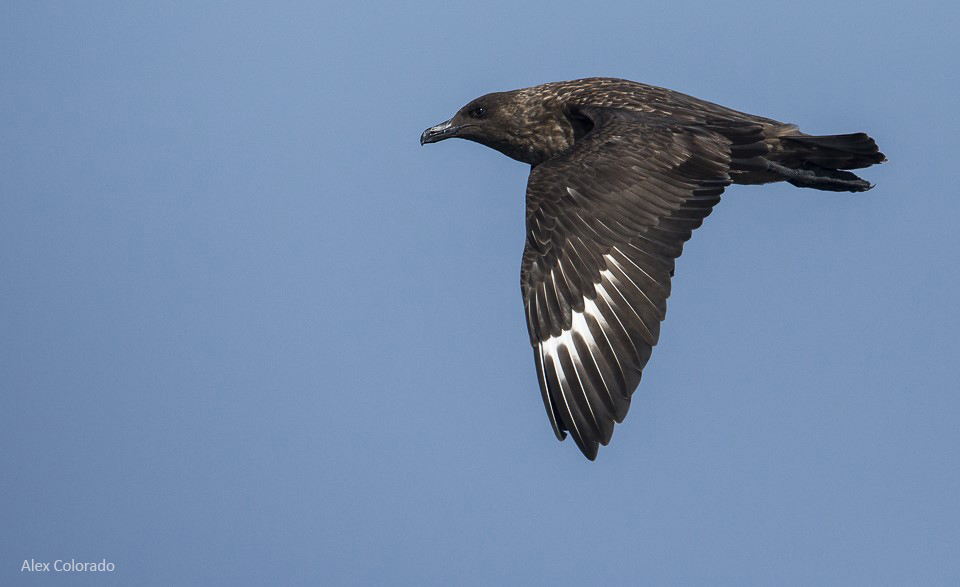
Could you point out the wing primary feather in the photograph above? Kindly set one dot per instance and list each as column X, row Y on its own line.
column 623, row 344
column 554, row 374
column 573, row 385
column 590, row 366
column 545, row 392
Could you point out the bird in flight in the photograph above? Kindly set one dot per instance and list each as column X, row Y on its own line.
column 621, row 174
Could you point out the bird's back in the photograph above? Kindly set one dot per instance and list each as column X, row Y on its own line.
column 660, row 102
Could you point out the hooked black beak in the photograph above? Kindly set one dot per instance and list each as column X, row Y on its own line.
column 444, row 130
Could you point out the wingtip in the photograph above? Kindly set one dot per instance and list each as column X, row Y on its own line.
column 589, row 449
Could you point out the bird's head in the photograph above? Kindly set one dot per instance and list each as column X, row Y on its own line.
column 517, row 124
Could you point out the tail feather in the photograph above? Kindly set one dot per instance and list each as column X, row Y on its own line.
column 810, row 175
column 852, row 151
column 831, row 180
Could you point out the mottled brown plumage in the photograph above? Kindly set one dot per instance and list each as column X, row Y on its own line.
column 622, row 173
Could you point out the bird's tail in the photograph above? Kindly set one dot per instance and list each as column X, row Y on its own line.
column 853, row 151
column 819, row 161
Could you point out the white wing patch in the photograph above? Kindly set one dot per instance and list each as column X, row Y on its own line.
column 550, row 356
column 605, row 292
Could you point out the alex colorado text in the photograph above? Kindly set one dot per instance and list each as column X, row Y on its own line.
column 59, row 565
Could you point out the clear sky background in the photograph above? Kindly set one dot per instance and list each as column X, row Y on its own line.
column 252, row 333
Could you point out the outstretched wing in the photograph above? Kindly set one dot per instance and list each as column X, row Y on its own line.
column 605, row 222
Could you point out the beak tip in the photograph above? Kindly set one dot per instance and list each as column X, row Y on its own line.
column 438, row 133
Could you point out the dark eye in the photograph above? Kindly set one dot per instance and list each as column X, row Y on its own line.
column 478, row 112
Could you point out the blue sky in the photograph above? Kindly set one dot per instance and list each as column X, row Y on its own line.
column 252, row 333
